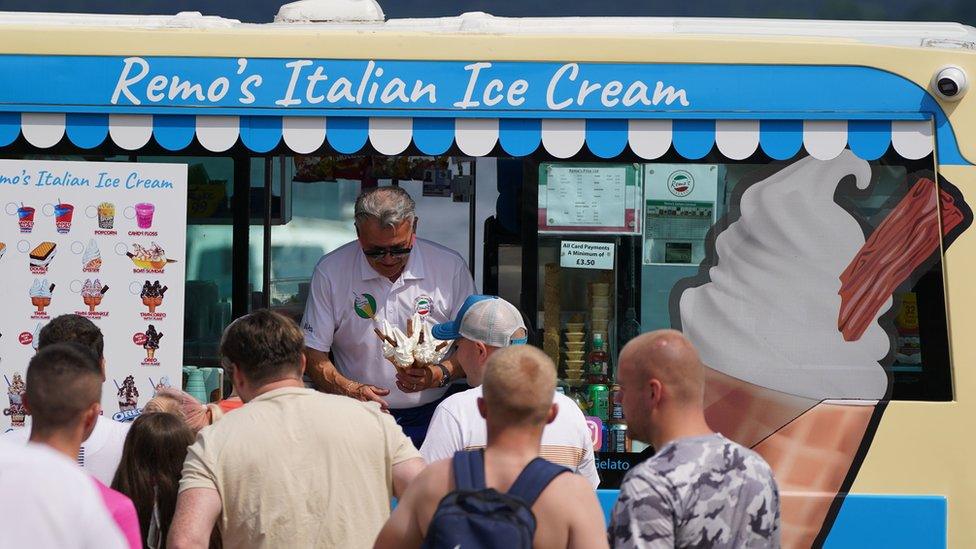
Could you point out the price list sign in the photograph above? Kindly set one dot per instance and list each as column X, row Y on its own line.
column 589, row 198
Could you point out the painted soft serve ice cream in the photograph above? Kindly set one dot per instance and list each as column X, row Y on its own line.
column 768, row 315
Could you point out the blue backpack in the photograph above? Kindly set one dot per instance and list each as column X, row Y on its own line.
column 475, row 516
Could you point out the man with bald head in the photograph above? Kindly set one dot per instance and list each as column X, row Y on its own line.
column 517, row 404
column 700, row 489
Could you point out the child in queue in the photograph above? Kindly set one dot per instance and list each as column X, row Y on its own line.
column 149, row 473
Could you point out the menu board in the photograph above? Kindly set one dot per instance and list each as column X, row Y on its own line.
column 103, row 240
column 679, row 210
column 588, row 198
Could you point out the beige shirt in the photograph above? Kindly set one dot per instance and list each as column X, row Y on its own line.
column 298, row 468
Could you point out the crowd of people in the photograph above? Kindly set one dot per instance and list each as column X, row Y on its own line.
column 479, row 450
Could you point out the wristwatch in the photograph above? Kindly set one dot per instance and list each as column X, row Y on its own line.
column 445, row 377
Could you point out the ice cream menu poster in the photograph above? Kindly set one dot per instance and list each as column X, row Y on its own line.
column 104, row 240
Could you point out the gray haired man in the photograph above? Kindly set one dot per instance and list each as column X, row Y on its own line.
column 387, row 274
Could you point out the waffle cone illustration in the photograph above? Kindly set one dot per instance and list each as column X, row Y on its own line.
column 787, row 319
column 152, row 295
column 152, row 302
column 92, row 302
column 811, row 457
column 41, row 293
column 152, row 341
column 40, row 303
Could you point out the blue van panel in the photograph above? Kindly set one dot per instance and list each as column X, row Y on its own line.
column 871, row 521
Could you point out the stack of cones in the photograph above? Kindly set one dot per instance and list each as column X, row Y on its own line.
column 551, row 312
column 600, row 305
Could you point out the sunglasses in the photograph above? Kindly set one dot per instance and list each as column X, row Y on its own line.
column 397, row 252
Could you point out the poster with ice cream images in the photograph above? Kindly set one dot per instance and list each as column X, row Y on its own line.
column 104, row 240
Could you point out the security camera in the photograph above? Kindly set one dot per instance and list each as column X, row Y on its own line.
column 950, row 84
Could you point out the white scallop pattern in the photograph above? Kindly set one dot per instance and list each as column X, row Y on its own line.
column 390, row 135
column 303, row 134
column 130, row 131
column 737, row 139
column 563, row 137
column 824, row 139
column 649, row 139
column 912, row 139
column 218, row 133
column 476, row 136
column 42, row 129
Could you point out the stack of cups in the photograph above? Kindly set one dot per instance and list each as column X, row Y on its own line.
column 186, row 375
column 214, row 379
column 196, row 385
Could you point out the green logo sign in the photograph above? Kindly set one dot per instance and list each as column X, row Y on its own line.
column 681, row 183
column 365, row 305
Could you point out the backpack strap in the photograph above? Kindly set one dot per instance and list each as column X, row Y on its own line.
column 469, row 470
column 534, row 479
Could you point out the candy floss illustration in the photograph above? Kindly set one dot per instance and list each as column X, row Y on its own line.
column 128, row 396
column 15, row 393
column 787, row 321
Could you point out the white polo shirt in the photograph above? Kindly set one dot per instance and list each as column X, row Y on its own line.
column 457, row 425
column 100, row 454
column 346, row 294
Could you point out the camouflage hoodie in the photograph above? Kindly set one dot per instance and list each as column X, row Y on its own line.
column 704, row 491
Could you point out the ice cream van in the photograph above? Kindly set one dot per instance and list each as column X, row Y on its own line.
column 796, row 196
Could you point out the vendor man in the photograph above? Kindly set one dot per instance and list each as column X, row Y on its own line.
column 387, row 274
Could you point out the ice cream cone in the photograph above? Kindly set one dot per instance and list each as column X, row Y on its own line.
column 150, row 353
column 810, row 458
column 748, row 413
column 40, row 303
column 809, row 445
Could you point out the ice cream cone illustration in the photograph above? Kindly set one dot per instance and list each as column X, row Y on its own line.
column 40, row 294
column 91, row 259
column 92, row 293
column 798, row 371
column 152, row 342
column 152, row 295
column 15, row 393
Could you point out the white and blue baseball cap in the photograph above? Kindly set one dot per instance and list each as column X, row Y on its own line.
column 485, row 318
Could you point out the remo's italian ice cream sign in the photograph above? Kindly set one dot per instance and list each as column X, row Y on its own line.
column 103, row 240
